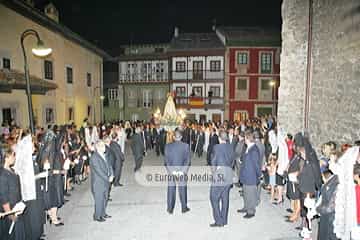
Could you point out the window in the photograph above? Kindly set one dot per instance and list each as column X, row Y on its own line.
column 69, row 75
column 180, row 91
column 215, row 91
column 113, row 94
column 241, row 115
column 88, row 79
column 196, row 92
column 147, row 99
column 6, row 63
column 215, row 66
column 242, row 84
column 266, row 63
column 242, row 58
column 48, row 70
column 88, row 111
column 160, row 94
column 265, row 84
column 49, row 115
column 181, row 95
column 180, row 66
column 70, row 114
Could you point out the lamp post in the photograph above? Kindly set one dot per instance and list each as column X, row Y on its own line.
column 40, row 51
column 273, row 85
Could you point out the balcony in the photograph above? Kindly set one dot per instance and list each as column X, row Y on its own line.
column 200, row 102
column 199, row 75
column 157, row 77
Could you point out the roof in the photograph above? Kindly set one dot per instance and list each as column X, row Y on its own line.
column 14, row 79
column 43, row 20
column 196, row 41
column 251, row 36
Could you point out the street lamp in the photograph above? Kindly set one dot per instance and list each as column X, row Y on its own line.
column 40, row 51
column 273, row 85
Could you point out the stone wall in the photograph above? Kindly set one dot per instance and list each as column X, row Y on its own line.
column 334, row 112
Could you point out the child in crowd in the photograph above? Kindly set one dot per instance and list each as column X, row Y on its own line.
column 272, row 165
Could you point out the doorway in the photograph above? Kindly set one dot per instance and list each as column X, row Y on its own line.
column 216, row 117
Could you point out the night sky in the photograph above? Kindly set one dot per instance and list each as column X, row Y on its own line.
column 111, row 23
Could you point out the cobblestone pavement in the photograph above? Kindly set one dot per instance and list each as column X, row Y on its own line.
column 139, row 213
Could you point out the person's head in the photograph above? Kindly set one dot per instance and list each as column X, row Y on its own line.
column 289, row 137
column 107, row 139
column 272, row 158
column 326, row 175
column 223, row 137
column 9, row 157
column 177, row 135
column 357, row 173
column 249, row 136
column 100, row 147
column 231, row 131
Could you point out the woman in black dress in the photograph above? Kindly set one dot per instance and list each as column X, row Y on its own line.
column 10, row 195
column 51, row 154
column 309, row 176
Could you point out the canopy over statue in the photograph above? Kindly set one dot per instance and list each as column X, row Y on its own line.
column 171, row 119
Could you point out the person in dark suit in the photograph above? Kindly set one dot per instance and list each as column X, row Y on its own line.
column 120, row 158
column 222, row 162
column 200, row 141
column 326, row 207
column 239, row 154
column 214, row 139
column 101, row 178
column 232, row 138
column 156, row 139
column 137, row 147
column 162, row 141
column 260, row 145
column 177, row 163
column 250, row 173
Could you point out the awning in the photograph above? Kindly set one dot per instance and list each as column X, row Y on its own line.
column 14, row 79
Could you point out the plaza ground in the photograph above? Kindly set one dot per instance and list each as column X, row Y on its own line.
column 139, row 213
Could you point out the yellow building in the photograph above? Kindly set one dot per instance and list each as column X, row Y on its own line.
column 66, row 85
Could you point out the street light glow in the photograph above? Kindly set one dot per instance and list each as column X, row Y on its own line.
column 41, row 50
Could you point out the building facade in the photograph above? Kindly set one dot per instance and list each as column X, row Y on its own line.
column 197, row 75
column 252, row 71
column 143, row 82
column 320, row 70
column 66, row 86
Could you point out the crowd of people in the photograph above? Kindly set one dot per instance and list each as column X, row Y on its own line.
column 41, row 169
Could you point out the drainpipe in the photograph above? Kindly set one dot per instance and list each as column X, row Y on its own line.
column 308, row 68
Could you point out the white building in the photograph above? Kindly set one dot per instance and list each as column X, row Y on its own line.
column 197, row 75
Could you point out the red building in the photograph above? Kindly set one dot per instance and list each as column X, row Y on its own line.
column 252, row 65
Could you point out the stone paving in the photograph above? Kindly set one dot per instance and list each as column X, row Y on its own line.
column 139, row 213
